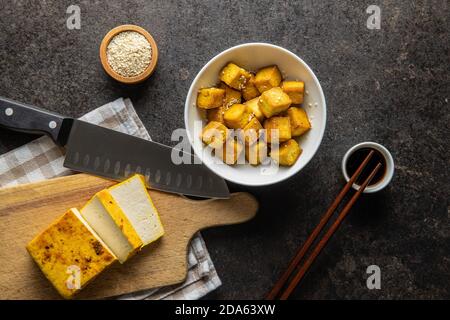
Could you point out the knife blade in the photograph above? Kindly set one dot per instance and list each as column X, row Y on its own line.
column 115, row 155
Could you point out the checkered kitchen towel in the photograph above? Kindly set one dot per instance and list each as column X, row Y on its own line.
column 42, row 159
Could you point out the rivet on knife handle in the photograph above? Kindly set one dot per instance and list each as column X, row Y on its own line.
column 21, row 117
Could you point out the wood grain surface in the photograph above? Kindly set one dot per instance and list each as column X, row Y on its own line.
column 25, row 210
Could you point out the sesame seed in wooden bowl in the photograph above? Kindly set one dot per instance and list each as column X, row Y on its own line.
column 129, row 54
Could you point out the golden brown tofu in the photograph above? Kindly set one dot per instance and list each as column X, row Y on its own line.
column 277, row 127
column 70, row 253
column 254, row 107
column 294, row 90
column 250, row 91
column 215, row 134
column 237, row 116
column 230, row 151
column 251, row 131
column 267, row 78
column 273, row 102
column 256, row 153
column 299, row 121
column 287, row 153
column 235, row 76
column 209, row 98
column 231, row 96
column 215, row 114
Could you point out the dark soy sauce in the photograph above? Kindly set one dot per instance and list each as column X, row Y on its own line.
column 357, row 157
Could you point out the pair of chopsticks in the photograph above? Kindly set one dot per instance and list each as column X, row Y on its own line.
column 276, row 291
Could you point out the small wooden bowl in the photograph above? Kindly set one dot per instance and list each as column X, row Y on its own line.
column 103, row 58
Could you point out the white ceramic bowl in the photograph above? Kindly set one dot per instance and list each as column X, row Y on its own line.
column 389, row 166
column 253, row 56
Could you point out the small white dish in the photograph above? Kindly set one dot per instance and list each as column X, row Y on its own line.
column 389, row 166
column 253, row 56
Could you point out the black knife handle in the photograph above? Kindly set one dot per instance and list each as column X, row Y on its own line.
column 21, row 117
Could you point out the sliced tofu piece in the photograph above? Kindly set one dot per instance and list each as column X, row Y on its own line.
column 133, row 198
column 70, row 253
column 106, row 217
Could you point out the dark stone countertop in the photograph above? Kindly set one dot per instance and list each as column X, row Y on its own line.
column 390, row 85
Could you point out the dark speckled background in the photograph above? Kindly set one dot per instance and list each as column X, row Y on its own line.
column 390, row 85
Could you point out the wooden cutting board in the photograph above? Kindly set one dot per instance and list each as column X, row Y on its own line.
column 27, row 209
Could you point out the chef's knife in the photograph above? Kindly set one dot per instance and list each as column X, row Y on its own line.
column 112, row 154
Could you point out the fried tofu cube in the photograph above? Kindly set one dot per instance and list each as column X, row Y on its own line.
column 235, row 76
column 254, row 107
column 256, row 153
column 299, row 121
column 215, row 134
column 209, row 98
column 237, row 116
column 215, row 114
column 273, row 102
column 277, row 128
column 295, row 90
column 230, row 151
column 250, row 91
column 267, row 78
column 231, row 96
column 251, row 131
column 287, row 153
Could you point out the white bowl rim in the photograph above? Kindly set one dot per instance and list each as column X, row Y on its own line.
column 323, row 122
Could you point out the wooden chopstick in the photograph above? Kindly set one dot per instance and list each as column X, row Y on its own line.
column 301, row 252
column 327, row 236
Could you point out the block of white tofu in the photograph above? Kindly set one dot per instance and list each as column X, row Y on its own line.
column 107, row 219
column 133, row 198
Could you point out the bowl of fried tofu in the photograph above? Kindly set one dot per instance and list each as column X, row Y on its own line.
column 255, row 114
